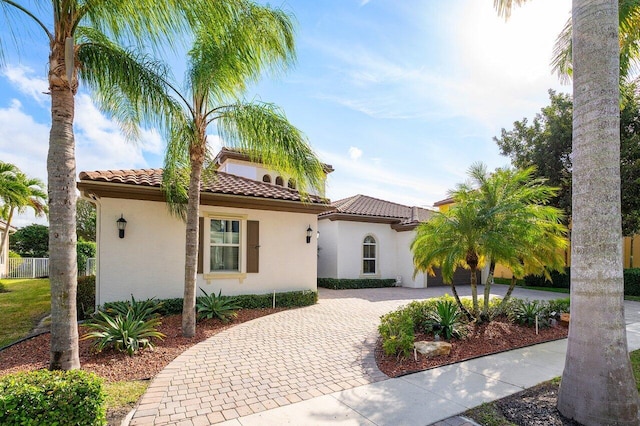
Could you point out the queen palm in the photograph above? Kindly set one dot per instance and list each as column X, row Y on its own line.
column 629, row 30
column 597, row 383
column 83, row 37
column 221, row 63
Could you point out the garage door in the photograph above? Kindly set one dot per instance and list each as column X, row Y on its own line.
column 460, row 277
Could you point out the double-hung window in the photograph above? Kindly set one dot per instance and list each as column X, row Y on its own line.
column 224, row 245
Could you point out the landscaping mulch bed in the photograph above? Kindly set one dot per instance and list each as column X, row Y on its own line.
column 535, row 406
column 482, row 339
column 33, row 354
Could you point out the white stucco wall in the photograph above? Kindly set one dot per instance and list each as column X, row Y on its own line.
column 405, row 261
column 340, row 254
column 149, row 261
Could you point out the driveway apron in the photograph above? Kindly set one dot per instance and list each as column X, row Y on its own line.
column 280, row 359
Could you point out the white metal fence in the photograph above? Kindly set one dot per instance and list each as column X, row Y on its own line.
column 31, row 267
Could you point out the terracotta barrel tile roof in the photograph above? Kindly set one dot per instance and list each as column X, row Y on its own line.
column 217, row 183
column 362, row 205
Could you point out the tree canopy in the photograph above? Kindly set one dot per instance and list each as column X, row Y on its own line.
column 30, row 241
column 546, row 141
column 498, row 217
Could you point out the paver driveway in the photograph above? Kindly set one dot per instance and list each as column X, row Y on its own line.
column 280, row 359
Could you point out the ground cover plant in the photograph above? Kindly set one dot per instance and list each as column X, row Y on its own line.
column 423, row 320
column 23, row 304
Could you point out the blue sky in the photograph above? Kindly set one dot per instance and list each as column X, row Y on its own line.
column 401, row 97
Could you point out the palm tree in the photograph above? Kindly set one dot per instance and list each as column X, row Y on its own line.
column 629, row 30
column 597, row 383
column 522, row 232
column 222, row 62
column 499, row 217
column 84, row 39
column 450, row 240
column 19, row 192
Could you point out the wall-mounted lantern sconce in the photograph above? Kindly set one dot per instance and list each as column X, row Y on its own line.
column 309, row 231
column 121, row 223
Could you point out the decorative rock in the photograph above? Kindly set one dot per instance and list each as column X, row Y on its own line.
column 432, row 349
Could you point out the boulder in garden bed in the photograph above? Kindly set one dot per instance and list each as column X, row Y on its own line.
column 432, row 349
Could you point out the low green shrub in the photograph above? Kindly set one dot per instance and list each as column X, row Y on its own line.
column 558, row 280
column 559, row 306
column 125, row 333
column 212, row 306
column 140, row 309
column 349, row 284
column 171, row 307
column 45, row 397
column 86, row 296
column 291, row 299
column 396, row 329
column 632, row 282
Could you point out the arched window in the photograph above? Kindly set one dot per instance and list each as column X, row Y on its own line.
column 266, row 178
column 291, row 184
column 279, row 181
column 369, row 255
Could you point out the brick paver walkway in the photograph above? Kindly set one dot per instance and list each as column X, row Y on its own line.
column 276, row 360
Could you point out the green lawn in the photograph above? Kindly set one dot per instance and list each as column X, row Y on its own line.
column 566, row 291
column 23, row 304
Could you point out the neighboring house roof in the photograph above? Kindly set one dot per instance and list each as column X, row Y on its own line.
column 218, row 188
column 443, row 202
column 363, row 208
column 236, row 154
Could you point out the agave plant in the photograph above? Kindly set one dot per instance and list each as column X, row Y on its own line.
column 212, row 306
column 125, row 333
column 141, row 309
column 525, row 312
column 448, row 319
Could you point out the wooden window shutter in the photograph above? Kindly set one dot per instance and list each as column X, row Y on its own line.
column 200, row 245
column 253, row 246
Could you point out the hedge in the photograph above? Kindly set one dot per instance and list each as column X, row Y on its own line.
column 348, row 284
column 558, row 280
column 86, row 296
column 290, row 299
column 52, row 397
column 631, row 281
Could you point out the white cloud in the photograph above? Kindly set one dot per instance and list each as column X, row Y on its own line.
column 21, row 77
column 377, row 180
column 355, row 153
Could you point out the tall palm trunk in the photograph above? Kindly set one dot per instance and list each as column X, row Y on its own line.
column 197, row 156
column 61, row 171
column 597, row 384
column 456, row 296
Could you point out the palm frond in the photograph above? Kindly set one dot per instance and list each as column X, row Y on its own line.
column 264, row 133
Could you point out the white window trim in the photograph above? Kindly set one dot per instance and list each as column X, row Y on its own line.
column 208, row 274
column 376, row 274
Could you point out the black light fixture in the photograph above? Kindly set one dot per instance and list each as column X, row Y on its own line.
column 309, row 231
column 121, row 223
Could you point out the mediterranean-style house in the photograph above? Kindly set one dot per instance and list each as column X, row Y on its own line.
column 255, row 232
column 4, row 251
column 365, row 237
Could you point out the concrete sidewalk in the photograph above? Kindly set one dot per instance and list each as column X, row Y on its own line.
column 430, row 396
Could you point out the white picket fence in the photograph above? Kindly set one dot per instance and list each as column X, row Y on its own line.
column 34, row 267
